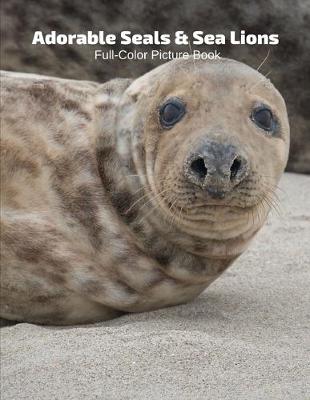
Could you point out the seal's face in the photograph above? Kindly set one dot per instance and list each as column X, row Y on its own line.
column 212, row 140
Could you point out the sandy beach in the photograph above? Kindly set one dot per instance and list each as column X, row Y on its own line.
column 245, row 337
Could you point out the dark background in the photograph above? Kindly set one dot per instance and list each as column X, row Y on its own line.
column 288, row 62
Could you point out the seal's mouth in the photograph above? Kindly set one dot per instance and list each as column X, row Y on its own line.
column 186, row 197
column 196, row 211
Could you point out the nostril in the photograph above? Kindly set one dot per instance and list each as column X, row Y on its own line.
column 199, row 168
column 235, row 167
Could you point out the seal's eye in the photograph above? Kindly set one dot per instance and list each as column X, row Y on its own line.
column 171, row 112
column 264, row 119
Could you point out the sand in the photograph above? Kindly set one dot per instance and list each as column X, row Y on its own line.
column 245, row 337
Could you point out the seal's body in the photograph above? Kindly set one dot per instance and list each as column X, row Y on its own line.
column 132, row 195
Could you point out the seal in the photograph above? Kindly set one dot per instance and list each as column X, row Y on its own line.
column 132, row 195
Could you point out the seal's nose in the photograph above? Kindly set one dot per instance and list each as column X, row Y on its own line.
column 216, row 167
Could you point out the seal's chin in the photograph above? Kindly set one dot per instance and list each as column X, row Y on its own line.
column 203, row 216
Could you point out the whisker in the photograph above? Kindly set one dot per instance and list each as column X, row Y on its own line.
column 263, row 62
column 261, row 80
column 152, row 198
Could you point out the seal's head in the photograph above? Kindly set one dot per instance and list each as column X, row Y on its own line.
column 209, row 142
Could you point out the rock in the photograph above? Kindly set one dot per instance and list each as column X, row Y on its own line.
column 288, row 64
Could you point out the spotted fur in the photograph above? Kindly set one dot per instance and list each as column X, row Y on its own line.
column 85, row 234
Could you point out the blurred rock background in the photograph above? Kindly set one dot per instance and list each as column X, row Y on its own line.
column 288, row 64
